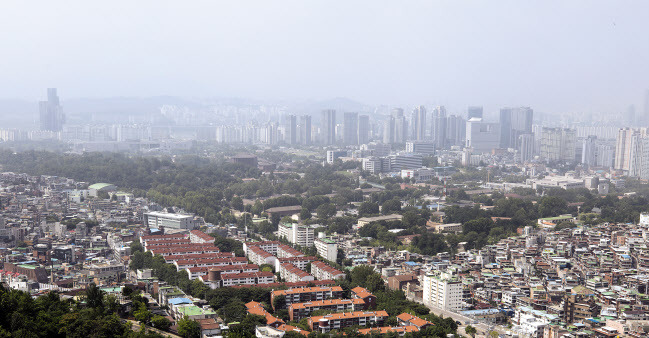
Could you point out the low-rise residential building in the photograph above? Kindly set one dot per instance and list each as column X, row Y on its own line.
column 337, row 321
column 322, row 271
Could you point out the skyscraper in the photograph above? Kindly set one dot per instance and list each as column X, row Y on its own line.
column 513, row 123
column 51, row 112
column 350, row 128
column 455, row 130
column 363, row 129
column 474, row 111
column 558, row 144
column 623, row 149
column 328, row 126
column 291, row 130
column 589, row 151
column 438, row 127
column 305, row 129
column 482, row 136
column 420, row 123
column 389, row 130
column 526, row 147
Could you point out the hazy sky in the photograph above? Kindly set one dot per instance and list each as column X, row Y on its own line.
column 555, row 56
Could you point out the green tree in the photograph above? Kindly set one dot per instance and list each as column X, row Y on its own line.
column 94, row 296
column 368, row 209
column 142, row 315
column 470, row 330
column 237, row 203
column 391, row 206
column 188, row 328
column 160, row 322
column 326, row 210
column 305, row 214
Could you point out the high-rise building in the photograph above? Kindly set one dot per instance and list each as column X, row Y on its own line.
column 589, row 151
column 558, row 144
column 328, row 126
column 513, row 123
column 455, row 130
column 623, row 148
column 350, row 128
column 363, row 129
column 389, row 130
column 438, row 126
column 291, row 130
column 419, row 123
column 526, row 147
column 305, row 129
column 400, row 129
column 474, row 111
column 443, row 291
column 482, row 136
column 51, row 112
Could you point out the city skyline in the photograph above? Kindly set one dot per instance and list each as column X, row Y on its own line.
column 561, row 60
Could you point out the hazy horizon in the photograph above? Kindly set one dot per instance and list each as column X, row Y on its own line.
column 555, row 56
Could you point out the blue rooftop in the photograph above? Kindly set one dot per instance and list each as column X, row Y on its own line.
column 480, row 312
column 180, row 300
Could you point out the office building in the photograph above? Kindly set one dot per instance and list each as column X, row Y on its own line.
column 438, row 126
column 419, row 123
column 455, row 130
column 305, row 129
column 558, row 144
column 389, row 130
column 399, row 162
column 420, row 147
column 350, row 128
column 51, row 112
column 328, row 126
column 443, row 290
column 376, row 148
column 363, row 129
column 474, row 111
column 482, row 136
column 291, row 130
column 373, row 165
column 513, row 123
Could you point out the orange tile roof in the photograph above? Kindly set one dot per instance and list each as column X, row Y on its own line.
column 414, row 320
column 347, row 315
column 326, row 302
column 388, row 329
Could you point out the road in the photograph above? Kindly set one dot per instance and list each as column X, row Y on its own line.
column 137, row 328
column 481, row 328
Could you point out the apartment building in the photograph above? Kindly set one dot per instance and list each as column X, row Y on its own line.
column 337, row 321
column 307, row 294
column 291, row 273
column 322, row 271
column 327, row 248
column 298, row 234
column 443, row 291
column 297, row 311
